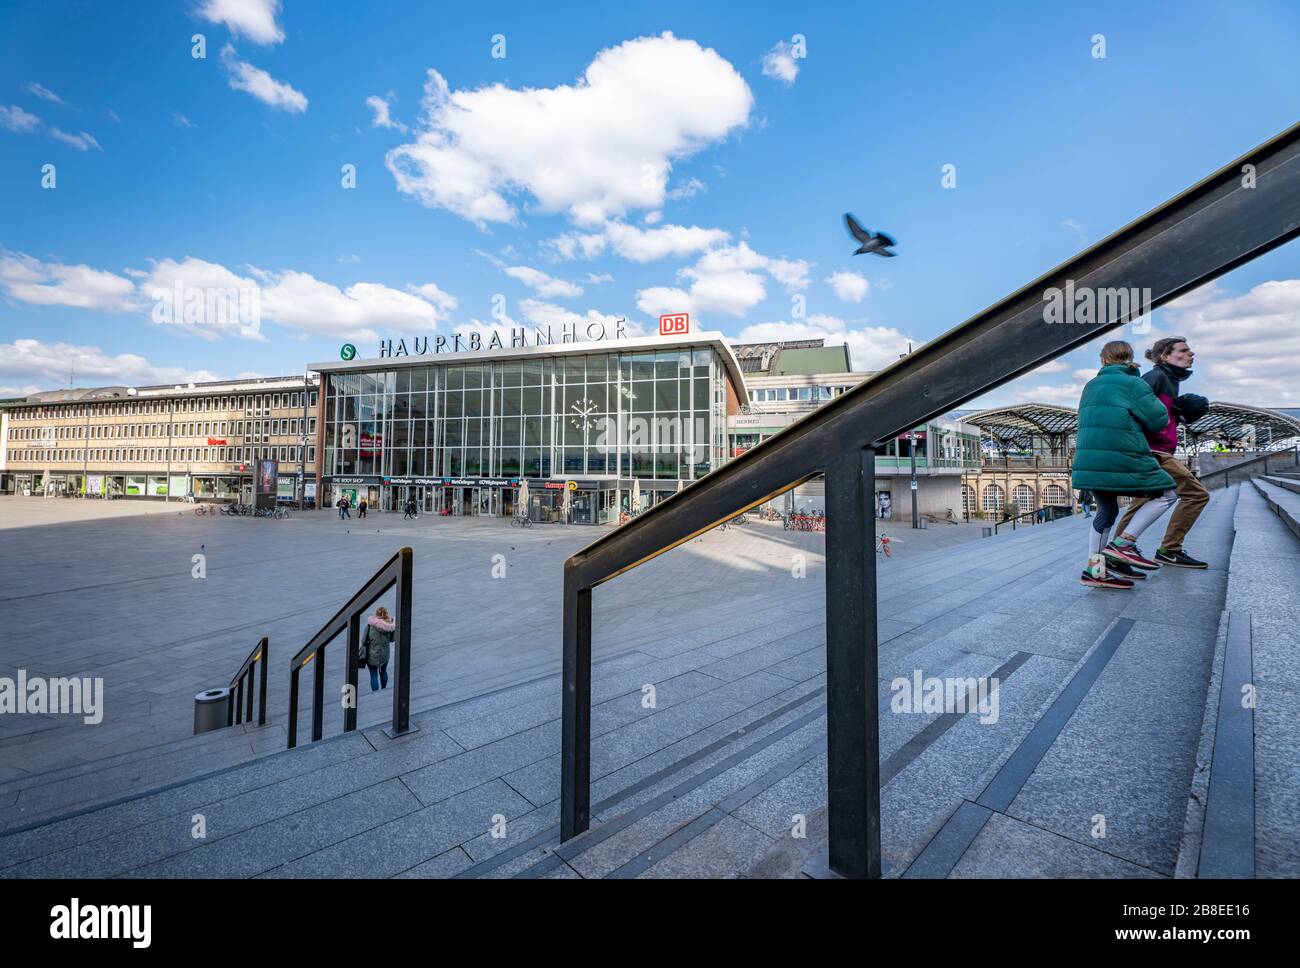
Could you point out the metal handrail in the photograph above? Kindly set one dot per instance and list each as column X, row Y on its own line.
column 1294, row 455
column 397, row 571
column 235, row 702
column 1054, row 508
column 1218, row 224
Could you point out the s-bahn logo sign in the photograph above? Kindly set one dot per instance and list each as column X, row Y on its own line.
column 576, row 331
column 348, row 352
column 674, row 324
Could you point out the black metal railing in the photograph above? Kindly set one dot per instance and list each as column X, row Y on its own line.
column 235, row 705
column 396, row 572
column 1043, row 515
column 1217, row 225
column 1253, row 467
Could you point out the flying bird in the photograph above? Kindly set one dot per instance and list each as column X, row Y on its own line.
column 876, row 243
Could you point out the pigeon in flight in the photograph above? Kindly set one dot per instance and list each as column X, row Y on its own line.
column 877, row 243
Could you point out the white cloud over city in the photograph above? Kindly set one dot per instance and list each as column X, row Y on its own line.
column 594, row 149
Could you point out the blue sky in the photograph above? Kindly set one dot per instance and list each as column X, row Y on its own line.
column 703, row 171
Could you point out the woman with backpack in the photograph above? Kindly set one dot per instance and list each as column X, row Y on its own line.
column 377, row 647
column 1112, row 459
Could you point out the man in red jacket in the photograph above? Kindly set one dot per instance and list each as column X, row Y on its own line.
column 1173, row 360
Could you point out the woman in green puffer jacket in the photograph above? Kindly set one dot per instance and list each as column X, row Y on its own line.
column 1112, row 457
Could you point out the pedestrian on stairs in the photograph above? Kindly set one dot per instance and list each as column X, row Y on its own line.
column 1112, row 459
column 1173, row 360
column 378, row 644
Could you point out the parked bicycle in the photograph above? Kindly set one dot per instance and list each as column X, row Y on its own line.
column 520, row 521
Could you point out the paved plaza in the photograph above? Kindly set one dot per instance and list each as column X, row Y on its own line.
column 722, row 772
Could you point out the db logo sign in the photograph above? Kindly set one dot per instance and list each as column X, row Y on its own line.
column 674, row 324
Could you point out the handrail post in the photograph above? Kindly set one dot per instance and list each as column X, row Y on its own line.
column 575, row 742
column 239, row 702
column 318, row 695
column 402, row 685
column 354, row 643
column 265, row 647
column 251, row 675
column 293, row 707
column 852, row 727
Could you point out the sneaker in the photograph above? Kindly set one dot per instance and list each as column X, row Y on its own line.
column 1178, row 559
column 1130, row 554
column 1124, row 570
column 1104, row 581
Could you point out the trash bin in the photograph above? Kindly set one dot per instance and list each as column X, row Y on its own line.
column 922, row 523
column 210, row 710
column 987, row 532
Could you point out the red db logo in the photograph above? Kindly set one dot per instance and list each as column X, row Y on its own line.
column 674, row 324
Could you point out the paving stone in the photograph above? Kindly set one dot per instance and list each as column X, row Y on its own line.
column 1008, row 848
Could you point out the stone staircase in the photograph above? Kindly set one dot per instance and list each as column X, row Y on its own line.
column 1087, row 769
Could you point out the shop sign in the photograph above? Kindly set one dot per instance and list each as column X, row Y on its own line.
column 214, row 442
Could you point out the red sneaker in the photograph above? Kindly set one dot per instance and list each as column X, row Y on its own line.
column 1130, row 555
column 1104, row 581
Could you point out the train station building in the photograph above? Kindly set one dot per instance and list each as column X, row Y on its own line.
column 576, row 431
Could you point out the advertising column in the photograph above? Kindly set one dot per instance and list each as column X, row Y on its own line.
column 264, row 487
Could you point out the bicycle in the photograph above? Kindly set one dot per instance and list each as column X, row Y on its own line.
column 883, row 542
column 203, row 509
column 520, row 521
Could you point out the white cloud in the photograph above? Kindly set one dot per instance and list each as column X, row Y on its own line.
column 724, row 280
column 181, row 121
column 849, row 286
column 293, row 299
column 1246, row 345
column 46, row 365
column 653, row 218
column 541, row 283
column 55, row 284
column 16, row 119
column 82, row 142
column 443, row 302
column 871, row 347
column 41, row 91
column 657, row 300
column 594, row 149
column 254, row 19
column 542, row 313
column 689, row 190
column 208, row 318
column 382, row 118
column 779, row 63
column 260, row 84
column 572, row 244
column 362, row 311
column 647, row 245
column 597, row 278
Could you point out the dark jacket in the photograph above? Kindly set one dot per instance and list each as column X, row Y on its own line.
column 1116, row 412
column 379, row 640
column 1163, row 378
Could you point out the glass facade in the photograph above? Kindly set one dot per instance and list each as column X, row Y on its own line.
column 657, row 415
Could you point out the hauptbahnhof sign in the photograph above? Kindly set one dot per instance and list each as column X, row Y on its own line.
column 592, row 331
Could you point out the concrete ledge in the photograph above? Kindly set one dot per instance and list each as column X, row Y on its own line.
column 1286, row 509
column 1228, row 834
column 1189, row 850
